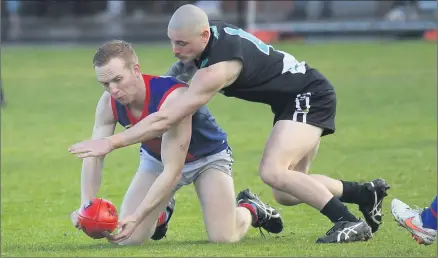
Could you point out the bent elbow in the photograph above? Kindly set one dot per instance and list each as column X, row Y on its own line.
column 161, row 127
column 165, row 122
column 167, row 126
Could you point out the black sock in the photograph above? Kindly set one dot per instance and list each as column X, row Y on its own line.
column 336, row 211
column 354, row 193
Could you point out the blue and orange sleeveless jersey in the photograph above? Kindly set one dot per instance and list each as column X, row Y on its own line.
column 207, row 137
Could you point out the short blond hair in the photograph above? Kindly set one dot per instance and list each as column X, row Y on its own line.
column 115, row 49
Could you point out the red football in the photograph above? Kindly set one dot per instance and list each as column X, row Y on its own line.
column 97, row 216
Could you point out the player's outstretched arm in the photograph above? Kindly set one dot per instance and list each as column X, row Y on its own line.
column 205, row 84
column 104, row 126
column 91, row 174
column 174, row 147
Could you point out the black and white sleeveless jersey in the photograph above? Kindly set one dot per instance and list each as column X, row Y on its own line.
column 268, row 75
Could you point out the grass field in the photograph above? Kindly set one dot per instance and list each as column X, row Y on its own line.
column 386, row 127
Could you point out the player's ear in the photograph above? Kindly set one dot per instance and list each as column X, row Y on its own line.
column 205, row 34
column 137, row 69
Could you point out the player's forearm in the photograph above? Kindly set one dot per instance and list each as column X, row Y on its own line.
column 160, row 190
column 159, row 122
column 148, row 128
column 91, row 177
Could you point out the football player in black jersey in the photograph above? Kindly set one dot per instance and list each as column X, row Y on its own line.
column 220, row 57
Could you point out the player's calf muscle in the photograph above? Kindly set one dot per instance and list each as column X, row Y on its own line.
column 285, row 198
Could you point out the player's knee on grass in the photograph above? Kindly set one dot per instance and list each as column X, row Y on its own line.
column 220, row 237
column 136, row 193
column 141, row 234
column 215, row 190
column 132, row 241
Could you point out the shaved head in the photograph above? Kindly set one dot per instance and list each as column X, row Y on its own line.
column 189, row 32
column 189, row 18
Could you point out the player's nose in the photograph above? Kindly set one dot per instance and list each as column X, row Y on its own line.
column 176, row 50
column 113, row 90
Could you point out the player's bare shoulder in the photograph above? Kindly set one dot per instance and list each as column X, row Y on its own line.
column 104, row 110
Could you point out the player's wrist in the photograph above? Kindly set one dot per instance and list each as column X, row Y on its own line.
column 136, row 217
column 116, row 141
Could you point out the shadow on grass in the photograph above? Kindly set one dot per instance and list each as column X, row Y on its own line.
column 72, row 247
column 75, row 247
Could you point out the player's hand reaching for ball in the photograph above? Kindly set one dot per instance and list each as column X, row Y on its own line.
column 92, row 148
column 125, row 228
column 74, row 217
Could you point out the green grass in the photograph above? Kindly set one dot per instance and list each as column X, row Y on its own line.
column 386, row 127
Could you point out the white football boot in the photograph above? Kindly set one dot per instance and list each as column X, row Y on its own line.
column 411, row 220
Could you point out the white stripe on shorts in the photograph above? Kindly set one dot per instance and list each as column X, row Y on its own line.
column 299, row 110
